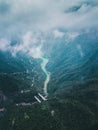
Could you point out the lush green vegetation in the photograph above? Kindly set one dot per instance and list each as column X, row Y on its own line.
column 75, row 109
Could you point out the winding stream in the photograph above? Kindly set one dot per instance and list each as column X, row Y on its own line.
column 43, row 66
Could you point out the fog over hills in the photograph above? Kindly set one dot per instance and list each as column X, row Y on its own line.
column 49, row 65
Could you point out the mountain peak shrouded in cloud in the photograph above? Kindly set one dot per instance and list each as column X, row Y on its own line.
column 17, row 18
column 48, row 64
column 45, row 15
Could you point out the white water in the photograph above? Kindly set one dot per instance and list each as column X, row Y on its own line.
column 43, row 66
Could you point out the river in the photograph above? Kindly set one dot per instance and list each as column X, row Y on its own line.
column 43, row 66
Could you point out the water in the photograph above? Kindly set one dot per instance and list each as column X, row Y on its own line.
column 43, row 66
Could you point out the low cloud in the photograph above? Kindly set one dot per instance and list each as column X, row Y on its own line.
column 45, row 15
column 4, row 45
column 22, row 19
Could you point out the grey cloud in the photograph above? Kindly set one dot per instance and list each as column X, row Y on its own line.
column 4, row 8
column 46, row 15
